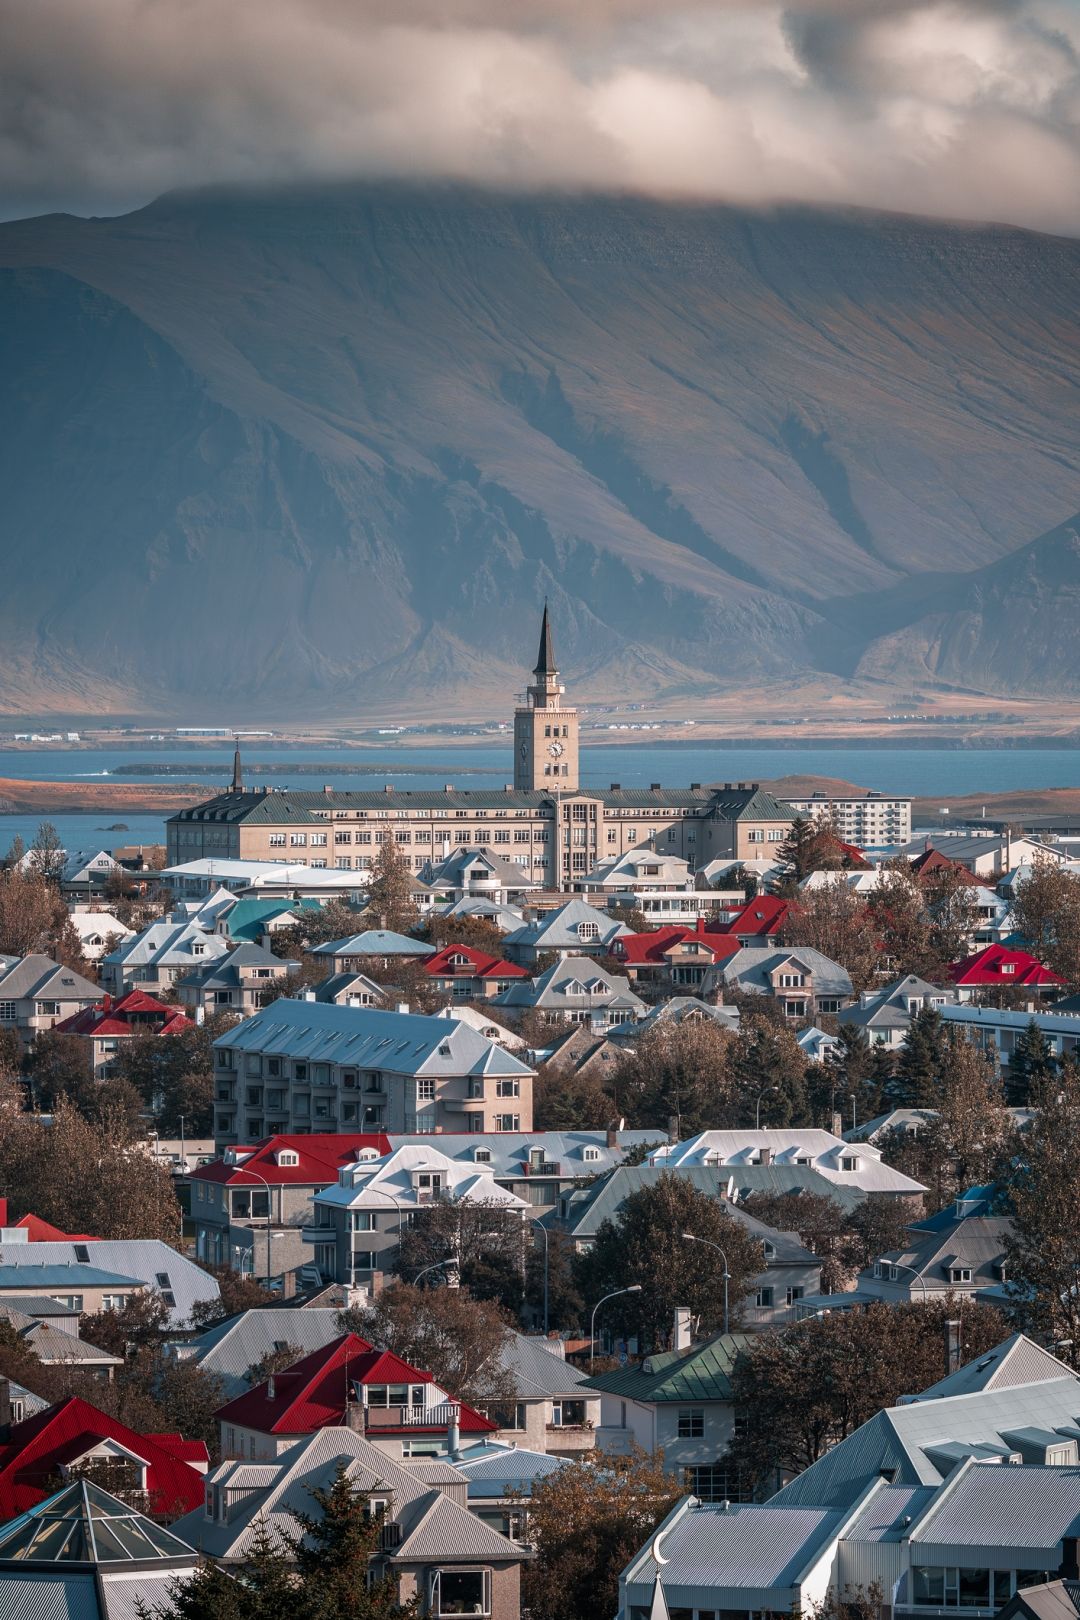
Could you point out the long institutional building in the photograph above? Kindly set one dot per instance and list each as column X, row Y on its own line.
column 546, row 822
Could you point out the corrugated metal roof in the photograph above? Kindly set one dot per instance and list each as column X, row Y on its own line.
column 1018, row 1360
column 992, row 1505
column 701, row 1374
column 756, row 1547
column 141, row 1259
column 889, row 1512
column 535, row 1370
column 34, row 1595
column 230, row 1348
column 445, row 1532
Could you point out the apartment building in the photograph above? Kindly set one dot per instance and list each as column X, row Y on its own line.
column 545, row 823
column 867, row 819
column 299, row 1066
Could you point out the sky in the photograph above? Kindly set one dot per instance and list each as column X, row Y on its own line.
column 961, row 108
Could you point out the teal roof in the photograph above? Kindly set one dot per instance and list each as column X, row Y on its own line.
column 700, row 1374
column 248, row 919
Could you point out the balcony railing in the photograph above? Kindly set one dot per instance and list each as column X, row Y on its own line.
column 411, row 1417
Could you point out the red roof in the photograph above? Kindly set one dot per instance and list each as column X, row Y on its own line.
column 479, row 965
column 997, row 964
column 932, row 863
column 314, row 1391
column 134, row 1014
column 321, row 1156
column 641, row 950
column 38, row 1446
column 759, row 918
column 39, row 1231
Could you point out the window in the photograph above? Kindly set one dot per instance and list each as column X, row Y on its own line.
column 74, row 1302
column 8, row 1010
column 277, row 840
column 461, row 1591
column 82, row 1254
column 507, row 1414
column 691, row 1423
column 960, row 1274
column 48, row 1009
column 849, row 1163
column 795, row 1292
column 113, row 1302
column 425, row 1091
column 362, row 1220
column 763, row 1299
column 591, row 1155
column 507, row 1088
column 568, row 1414
column 508, row 1122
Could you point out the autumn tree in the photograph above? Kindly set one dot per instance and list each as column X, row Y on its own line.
column 236, row 1293
column 677, row 1071
column 390, row 889
column 12, row 1057
column 645, row 1245
column 142, row 1320
column 1046, row 910
column 174, row 1074
column 58, row 1067
column 805, row 1387
column 836, row 921
column 588, row 1519
column 569, row 1101
column 32, row 914
column 821, row 1226
column 46, row 855
column 1043, row 1248
column 953, row 913
column 903, row 924
column 281, row 1357
column 444, row 1331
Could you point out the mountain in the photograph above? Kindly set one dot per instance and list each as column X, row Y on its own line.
column 324, row 452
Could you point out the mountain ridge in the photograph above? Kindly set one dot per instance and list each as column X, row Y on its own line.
column 339, row 443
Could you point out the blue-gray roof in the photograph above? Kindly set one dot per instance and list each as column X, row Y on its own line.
column 493, row 1470
column 229, row 1348
column 991, row 1506
column 375, row 942
column 72, row 1277
column 144, row 1260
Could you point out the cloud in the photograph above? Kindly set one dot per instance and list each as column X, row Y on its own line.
column 964, row 107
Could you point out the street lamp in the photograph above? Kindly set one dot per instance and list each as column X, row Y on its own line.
column 899, row 1265
column 436, row 1265
column 634, row 1288
column 242, row 1169
column 757, row 1114
column 545, row 1235
column 692, row 1237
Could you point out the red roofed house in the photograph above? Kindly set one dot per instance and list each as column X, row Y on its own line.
column 676, row 955
column 997, row 965
column 470, row 975
column 231, row 1198
column 105, row 1026
column 760, row 920
column 348, row 1382
column 37, row 1230
column 932, row 865
column 161, row 1473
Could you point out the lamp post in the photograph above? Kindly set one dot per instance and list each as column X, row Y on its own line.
column 899, row 1265
column 692, row 1237
column 547, row 1256
column 634, row 1288
column 242, row 1169
column 757, row 1113
column 435, row 1265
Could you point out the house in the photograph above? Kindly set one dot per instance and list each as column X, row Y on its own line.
column 266, row 1188
column 788, row 1269
column 31, row 1228
column 873, row 819
column 504, row 918
column 74, row 1441
column 675, row 956
column 501, row 1477
column 83, row 1288
column 349, row 1383
column 81, row 873
column 803, row 981
column 675, row 1010
column 374, row 947
column 161, row 954
column 146, row 1261
column 819, row 1046
column 552, row 1409
column 467, row 974
column 662, row 887
column 302, row 1064
column 355, row 1226
column 233, row 1348
column 267, row 879
column 958, row 1252
column 678, row 1402
column 933, row 865
column 838, row 1161
column 255, row 922
column 575, row 990
column 1049, row 1600
column 105, row 1027
column 348, row 990
column 53, row 1344
column 576, row 929
column 443, row 1554
column 82, row 1554
column 485, row 873
column 983, row 856
column 236, row 982
column 580, row 1050
column 997, row 1030
column 759, row 920
column 997, row 967
column 485, row 1026
column 36, row 993
column 884, row 1016
column 98, row 932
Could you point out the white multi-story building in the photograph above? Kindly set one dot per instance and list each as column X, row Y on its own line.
column 867, row 819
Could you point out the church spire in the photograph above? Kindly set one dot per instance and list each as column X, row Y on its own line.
column 237, row 770
column 545, row 658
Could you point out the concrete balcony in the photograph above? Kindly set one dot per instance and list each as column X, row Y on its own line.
column 615, row 1440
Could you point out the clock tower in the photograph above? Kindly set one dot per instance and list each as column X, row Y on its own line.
column 545, row 734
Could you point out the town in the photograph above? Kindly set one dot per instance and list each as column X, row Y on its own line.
column 643, row 1203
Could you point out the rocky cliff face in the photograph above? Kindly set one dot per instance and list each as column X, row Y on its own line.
column 328, row 450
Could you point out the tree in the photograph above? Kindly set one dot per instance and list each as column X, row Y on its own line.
column 799, row 849
column 1043, row 1248
column 444, row 1331
column 903, row 923
column 569, row 1101
column 879, row 1225
column 482, row 1241
column 390, row 888
column 1032, row 1066
column 12, row 1058
column 677, row 1071
column 836, row 921
column 236, row 1293
column 142, row 1321
column 87, row 1175
column 174, row 1074
column 645, row 1246
column 58, row 1066
column 918, row 1070
column 972, row 1140
column 860, row 1071
column 588, row 1519
column 265, row 1589
column 1046, row 910
column 46, row 855
column 804, row 1388
column 333, row 1556
column 821, row 1225
column 953, row 912
column 274, row 1361
column 31, row 912
column 631, row 917
column 478, row 932
column 566, row 1308
column 766, row 1064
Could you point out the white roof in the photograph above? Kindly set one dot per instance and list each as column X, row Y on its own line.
column 824, row 1152
column 168, row 944
column 483, row 1025
column 383, row 1182
column 91, row 924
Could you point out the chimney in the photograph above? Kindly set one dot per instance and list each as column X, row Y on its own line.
column 837, row 1124
column 683, row 1335
column 401, row 1007
column 448, row 787
column 271, row 1388
column 327, row 787
column 453, row 1432
column 355, row 1416
column 765, row 1156
column 952, row 1346
column 654, row 787
column 695, row 787
column 309, row 995
column 612, row 1136
column 3, row 1212
column 5, row 1409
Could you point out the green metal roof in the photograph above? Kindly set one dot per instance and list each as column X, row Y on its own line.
column 248, row 918
column 700, row 1374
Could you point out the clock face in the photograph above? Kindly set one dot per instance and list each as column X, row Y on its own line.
column 555, row 750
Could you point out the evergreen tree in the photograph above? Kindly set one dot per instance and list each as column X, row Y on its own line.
column 797, row 850
column 1031, row 1066
column 1043, row 1249
column 917, row 1083
column 333, row 1558
column 390, row 889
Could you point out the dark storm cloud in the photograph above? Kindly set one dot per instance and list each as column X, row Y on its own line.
column 966, row 107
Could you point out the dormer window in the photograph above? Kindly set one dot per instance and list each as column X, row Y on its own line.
column 768, row 1249
column 848, row 1162
column 960, row 1274
column 588, row 930
column 288, row 1157
column 1008, row 967
column 481, row 1155
column 591, row 1155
